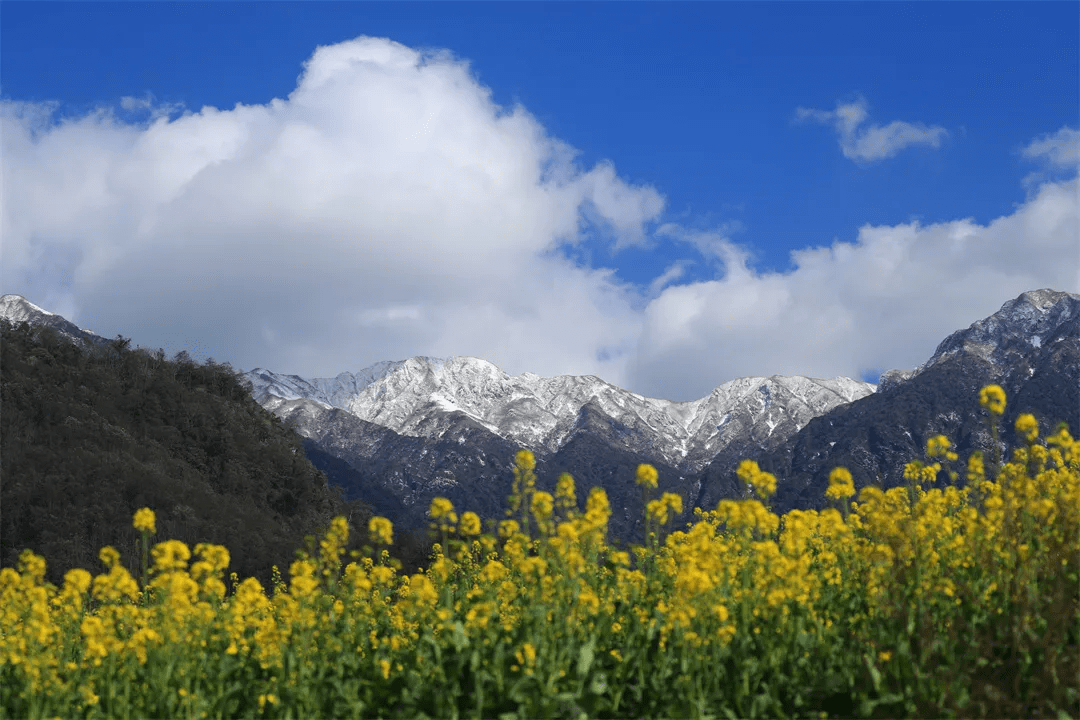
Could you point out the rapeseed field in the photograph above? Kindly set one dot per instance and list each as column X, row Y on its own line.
column 957, row 595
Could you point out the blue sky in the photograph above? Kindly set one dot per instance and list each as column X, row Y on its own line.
column 686, row 192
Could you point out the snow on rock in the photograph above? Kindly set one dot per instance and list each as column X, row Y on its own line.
column 1026, row 320
column 425, row 396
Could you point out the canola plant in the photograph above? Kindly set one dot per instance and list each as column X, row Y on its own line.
column 959, row 597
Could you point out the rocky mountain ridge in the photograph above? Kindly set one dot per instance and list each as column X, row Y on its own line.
column 428, row 427
column 422, row 397
column 1030, row 347
column 1003, row 339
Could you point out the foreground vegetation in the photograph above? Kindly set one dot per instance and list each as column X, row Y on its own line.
column 956, row 595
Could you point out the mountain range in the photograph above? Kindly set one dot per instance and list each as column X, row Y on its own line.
column 452, row 427
column 399, row 433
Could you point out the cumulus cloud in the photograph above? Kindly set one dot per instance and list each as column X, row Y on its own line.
column 385, row 208
column 388, row 208
column 873, row 142
column 856, row 308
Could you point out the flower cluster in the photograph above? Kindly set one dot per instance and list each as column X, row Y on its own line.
column 762, row 482
column 841, row 484
column 903, row 596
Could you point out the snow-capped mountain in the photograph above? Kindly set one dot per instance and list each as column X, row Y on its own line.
column 1003, row 339
column 16, row 309
column 1030, row 347
column 424, row 397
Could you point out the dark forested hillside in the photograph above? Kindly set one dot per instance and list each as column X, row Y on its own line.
column 90, row 433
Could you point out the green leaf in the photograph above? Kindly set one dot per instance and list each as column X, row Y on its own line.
column 875, row 674
column 461, row 640
column 585, row 657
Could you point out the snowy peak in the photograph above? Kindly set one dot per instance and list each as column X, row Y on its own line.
column 1028, row 319
column 332, row 391
column 17, row 310
column 427, row 397
column 1034, row 319
column 764, row 411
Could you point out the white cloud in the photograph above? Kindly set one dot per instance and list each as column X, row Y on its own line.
column 673, row 272
column 1054, row 154
column 874, row 142
column 150, row 106
column 883, row 301
column 386, row 208
column 1060, row 149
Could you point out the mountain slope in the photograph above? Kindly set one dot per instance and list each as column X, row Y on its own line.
column 90, row 433
column 1031, row 347
column 398, row 434
column 16, row 309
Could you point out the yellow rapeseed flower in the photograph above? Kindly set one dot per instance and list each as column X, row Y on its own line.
column 939, row 446
column 216, row 557
column 32, row 565
column 976, row 469
column 764, row 483
column 597, row 508
column 565, row 497
column 381, row 530
column 1028, row 427
column 77, row 581
column 992, row 397
column 145, row 521
column 841, row 484
column 542, row 505
column 109, row 556
column 442, row 509
column 647, row 476
column 525, row 460
column 470, row 524
column 662, row 509
column 509, row 528
column 169, row 556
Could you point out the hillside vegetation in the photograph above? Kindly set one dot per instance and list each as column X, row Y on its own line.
column 89, row 433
